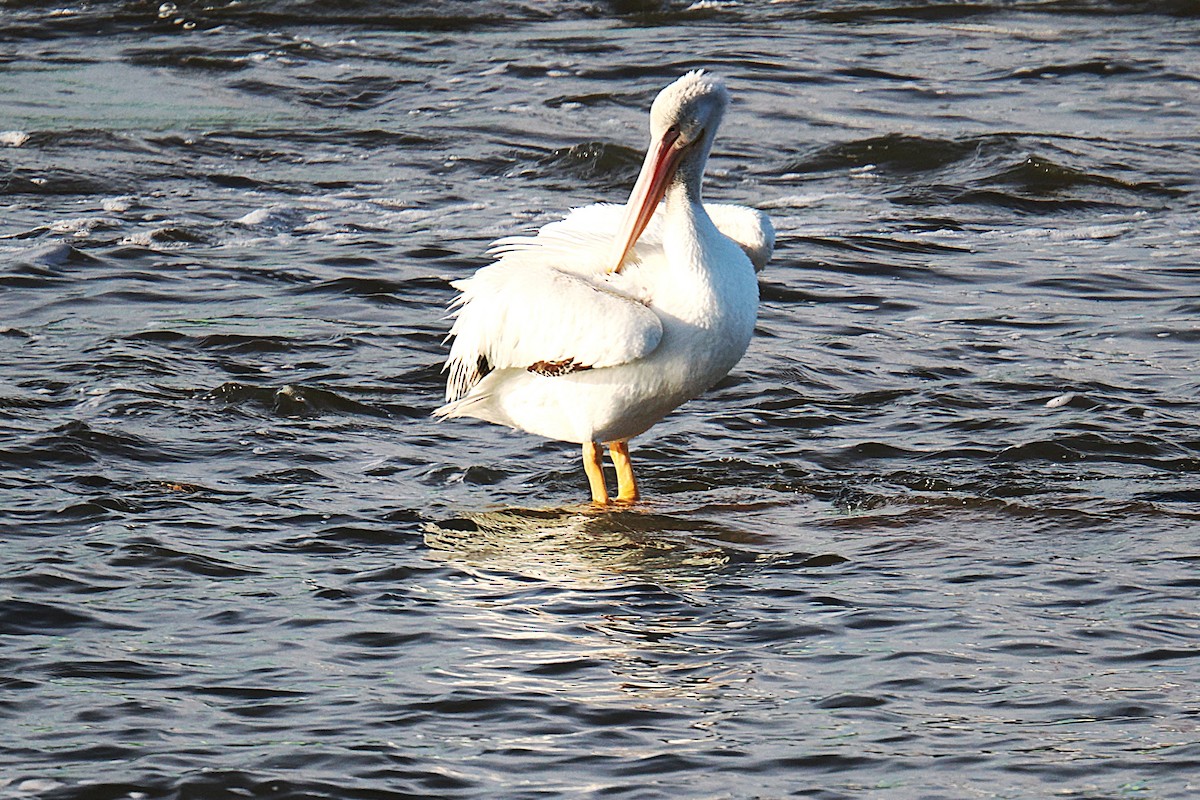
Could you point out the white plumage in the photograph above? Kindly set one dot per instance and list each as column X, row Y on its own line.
column 601, row 324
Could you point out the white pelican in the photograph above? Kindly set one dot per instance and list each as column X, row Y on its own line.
column 599, row 326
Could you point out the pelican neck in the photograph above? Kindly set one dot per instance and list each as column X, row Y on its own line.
column 686, row 225
column 689, row 175
column 684, row 200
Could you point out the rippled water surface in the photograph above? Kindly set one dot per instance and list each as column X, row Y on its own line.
column 937, row 536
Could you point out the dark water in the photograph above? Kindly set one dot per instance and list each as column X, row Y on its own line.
column 936, row 537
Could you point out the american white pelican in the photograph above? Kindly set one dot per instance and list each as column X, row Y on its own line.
column 600, row 325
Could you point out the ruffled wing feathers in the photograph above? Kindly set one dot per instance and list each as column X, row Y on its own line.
column 522, row 313
column 546, row 304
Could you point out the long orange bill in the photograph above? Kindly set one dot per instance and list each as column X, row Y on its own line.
column 657, row 171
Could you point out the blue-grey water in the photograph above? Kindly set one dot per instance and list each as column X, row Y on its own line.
column 937, row 536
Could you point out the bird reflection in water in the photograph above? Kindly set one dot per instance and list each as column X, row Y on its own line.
column 584, row 548
column 625, row 595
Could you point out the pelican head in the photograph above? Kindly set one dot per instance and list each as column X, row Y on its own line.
column 683, row 123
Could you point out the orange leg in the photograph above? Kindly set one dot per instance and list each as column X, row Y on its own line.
column 627, row 491
column 593, row 465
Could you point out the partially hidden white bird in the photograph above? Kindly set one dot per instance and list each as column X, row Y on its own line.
column 604, row 322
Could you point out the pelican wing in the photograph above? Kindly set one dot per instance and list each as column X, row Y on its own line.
column 547, row 307
column 521, row 314
column 750, row 228
column 578, row 243
column 589, row 231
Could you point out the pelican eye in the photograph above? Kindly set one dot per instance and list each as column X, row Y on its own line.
column 676, row 132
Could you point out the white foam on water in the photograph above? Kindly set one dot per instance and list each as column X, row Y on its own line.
column 83, row 226
column 1060, row 401
column 13, row 138
column 257, row 217
column 117, row 205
